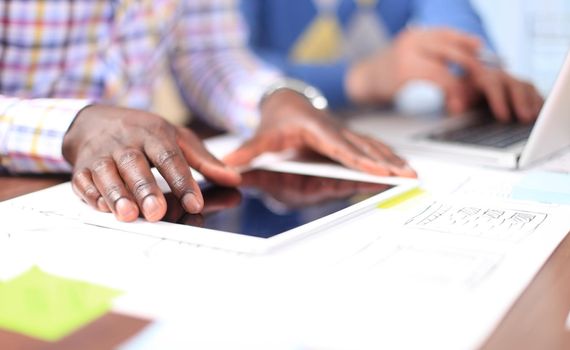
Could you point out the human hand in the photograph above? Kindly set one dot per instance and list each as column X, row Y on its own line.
column 427, row 54
column 289, row 121
column 415, row 54
column 508, row 97
column 112, row 150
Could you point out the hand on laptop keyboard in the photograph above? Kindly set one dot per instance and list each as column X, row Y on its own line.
column 509, row 98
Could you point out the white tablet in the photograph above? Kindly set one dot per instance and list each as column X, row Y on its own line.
column 278, row 204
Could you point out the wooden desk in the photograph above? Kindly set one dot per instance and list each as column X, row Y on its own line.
column 536, row 321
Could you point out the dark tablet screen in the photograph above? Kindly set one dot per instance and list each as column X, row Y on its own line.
column 268, row 202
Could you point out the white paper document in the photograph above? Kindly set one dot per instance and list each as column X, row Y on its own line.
column 432, row 272
column 439, row 272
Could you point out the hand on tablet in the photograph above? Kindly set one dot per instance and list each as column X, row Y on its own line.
column 289, row 121
column 112, row 150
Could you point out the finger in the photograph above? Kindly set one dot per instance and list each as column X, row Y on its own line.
column 401, row 167
column 493, row 87
column 521, row 99
column 454, row 88
column 440, row 36
column 135, row 172
column 538, row 102
column 248, row 151
column 111, row 186
column 451, row 46
column 83, row 186
column 328, row 141
column 464, row 96
column 204, row 162
column 442, row 77
column 381, row 152
column 450, row 53
column 460, row 100
column 172, row 165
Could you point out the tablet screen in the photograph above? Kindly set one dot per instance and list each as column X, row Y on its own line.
column 268, row 203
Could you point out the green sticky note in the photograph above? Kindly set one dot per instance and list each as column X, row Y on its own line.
column 49, row 307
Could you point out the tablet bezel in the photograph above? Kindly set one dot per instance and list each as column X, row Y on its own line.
column 249, row 244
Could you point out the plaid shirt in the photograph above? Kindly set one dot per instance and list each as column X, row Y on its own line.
column 57, row 56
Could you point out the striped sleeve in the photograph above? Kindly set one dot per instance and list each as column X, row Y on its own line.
column 220, row 78
column 32, row 131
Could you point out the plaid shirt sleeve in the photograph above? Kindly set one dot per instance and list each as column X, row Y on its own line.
column 219, row 76
column 32, row 131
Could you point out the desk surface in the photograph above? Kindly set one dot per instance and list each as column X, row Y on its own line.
column 536, row 321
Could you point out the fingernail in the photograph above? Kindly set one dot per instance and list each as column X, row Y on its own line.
column 152, row 209
column 192, row 203
column 125, row 210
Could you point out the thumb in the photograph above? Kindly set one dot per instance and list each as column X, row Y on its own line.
column 204, row 162
column 246, row 152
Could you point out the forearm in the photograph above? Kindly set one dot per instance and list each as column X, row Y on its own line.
column 219, row 77
column 225, row 88
column 32, row 131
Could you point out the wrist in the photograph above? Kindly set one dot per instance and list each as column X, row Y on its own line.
column 69, row 148
column 310, row 93
column 289, row 105
column 284, row 101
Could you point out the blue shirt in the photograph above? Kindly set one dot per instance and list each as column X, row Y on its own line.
column 277, row 24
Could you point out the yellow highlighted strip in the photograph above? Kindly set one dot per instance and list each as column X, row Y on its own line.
column 394, row 202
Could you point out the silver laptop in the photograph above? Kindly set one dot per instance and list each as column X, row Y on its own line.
column 477, row 138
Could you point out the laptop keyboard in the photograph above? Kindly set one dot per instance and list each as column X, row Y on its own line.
column 488, row 133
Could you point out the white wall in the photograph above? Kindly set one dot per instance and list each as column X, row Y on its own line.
column 532, row 36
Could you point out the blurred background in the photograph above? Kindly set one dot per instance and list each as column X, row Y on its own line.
column 532, row 36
